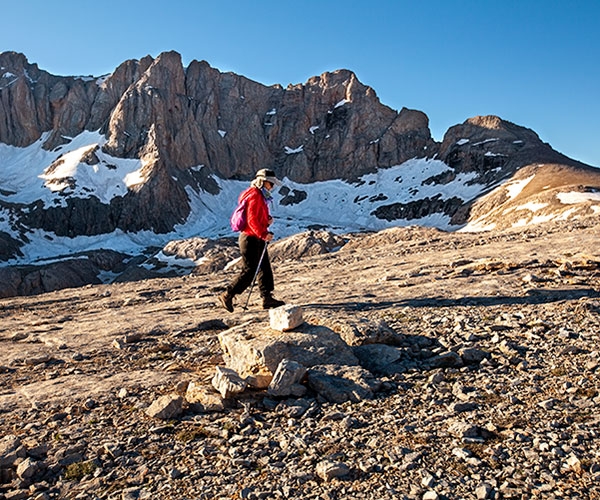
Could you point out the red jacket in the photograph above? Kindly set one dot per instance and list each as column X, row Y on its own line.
column 257, row 213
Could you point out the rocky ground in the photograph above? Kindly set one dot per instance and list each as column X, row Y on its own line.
column 80, row 368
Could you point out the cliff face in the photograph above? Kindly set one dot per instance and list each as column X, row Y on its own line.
column 331, row 127
column 176, row 118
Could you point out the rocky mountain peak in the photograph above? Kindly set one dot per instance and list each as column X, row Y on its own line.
column 490, row 122
column 13, row 61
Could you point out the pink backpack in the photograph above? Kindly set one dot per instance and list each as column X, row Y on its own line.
column 238, row 218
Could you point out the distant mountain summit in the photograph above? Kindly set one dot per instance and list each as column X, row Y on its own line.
column 156, row 148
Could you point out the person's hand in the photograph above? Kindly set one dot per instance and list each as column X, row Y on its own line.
column 269, row 237
column 270, row 220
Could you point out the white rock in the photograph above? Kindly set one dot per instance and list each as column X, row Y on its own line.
column 198, row 393
column 574, row 463
column 548, row 404
column 428, row 481
column 483, row 491
column 27, row 468
column 327, row 470
column 287, row 376
column 166, row 407
column 227, row 382
column 10, row 450
column 285, row 318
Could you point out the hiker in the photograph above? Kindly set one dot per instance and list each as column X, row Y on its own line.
column 253, row 240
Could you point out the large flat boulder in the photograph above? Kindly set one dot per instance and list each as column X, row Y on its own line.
column 255, row 351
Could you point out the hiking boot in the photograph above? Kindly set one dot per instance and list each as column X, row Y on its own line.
column 226, row 300
column 269, row 302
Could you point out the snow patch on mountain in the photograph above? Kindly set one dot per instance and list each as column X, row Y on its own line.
column 32, row 173
column 80, row 169
column 577, row 197
column 514, row 188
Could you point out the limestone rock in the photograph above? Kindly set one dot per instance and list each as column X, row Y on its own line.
column 444, row 360
column 166, row 407
column 381, row 358
column 305, row 244
column 328, row 470
column 27, row 468
column 254, row 352
column 227, row 382
column 204, row 397
column 473, row 356
column 285, row 318
column 10, row 450
column 338, row 383
column 287, row 378
column 361, row 331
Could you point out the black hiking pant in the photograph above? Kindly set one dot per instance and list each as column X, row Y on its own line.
column 251, row 249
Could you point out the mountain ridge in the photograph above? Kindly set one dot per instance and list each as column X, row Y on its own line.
column 157, row 151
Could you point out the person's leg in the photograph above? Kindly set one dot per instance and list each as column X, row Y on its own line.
column 266, row 284
column 265, row 276
column 250, row 249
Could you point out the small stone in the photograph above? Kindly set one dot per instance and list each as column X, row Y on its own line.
column 461, row 453
column 463, row 407
column 227, row 382
column 328, row 469
column 574, row 463
column 37, row 360
column 428, row 480
column 205, row 396
column 181, row 387
column 411, row 461
column 27, row 468
column 473, row 356
column 483, row 491
column 166, row 407
column 17, row 495
column 437, row 378
column 118, row 344
column 10, row 450
column 131, row 338
column 337, row 383
column 113, row 449
column 130, row 494
column 286, row 378
column 547, row 404
column 285, row 318
column 464, row 430
column 445, row 360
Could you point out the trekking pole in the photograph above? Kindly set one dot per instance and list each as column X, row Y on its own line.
column 262, row 255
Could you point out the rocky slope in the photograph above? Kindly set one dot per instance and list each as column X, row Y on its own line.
column 492, row 391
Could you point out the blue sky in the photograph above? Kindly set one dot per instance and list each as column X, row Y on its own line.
column 533, row 62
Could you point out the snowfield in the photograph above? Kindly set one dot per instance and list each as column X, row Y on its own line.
column 79, row 169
